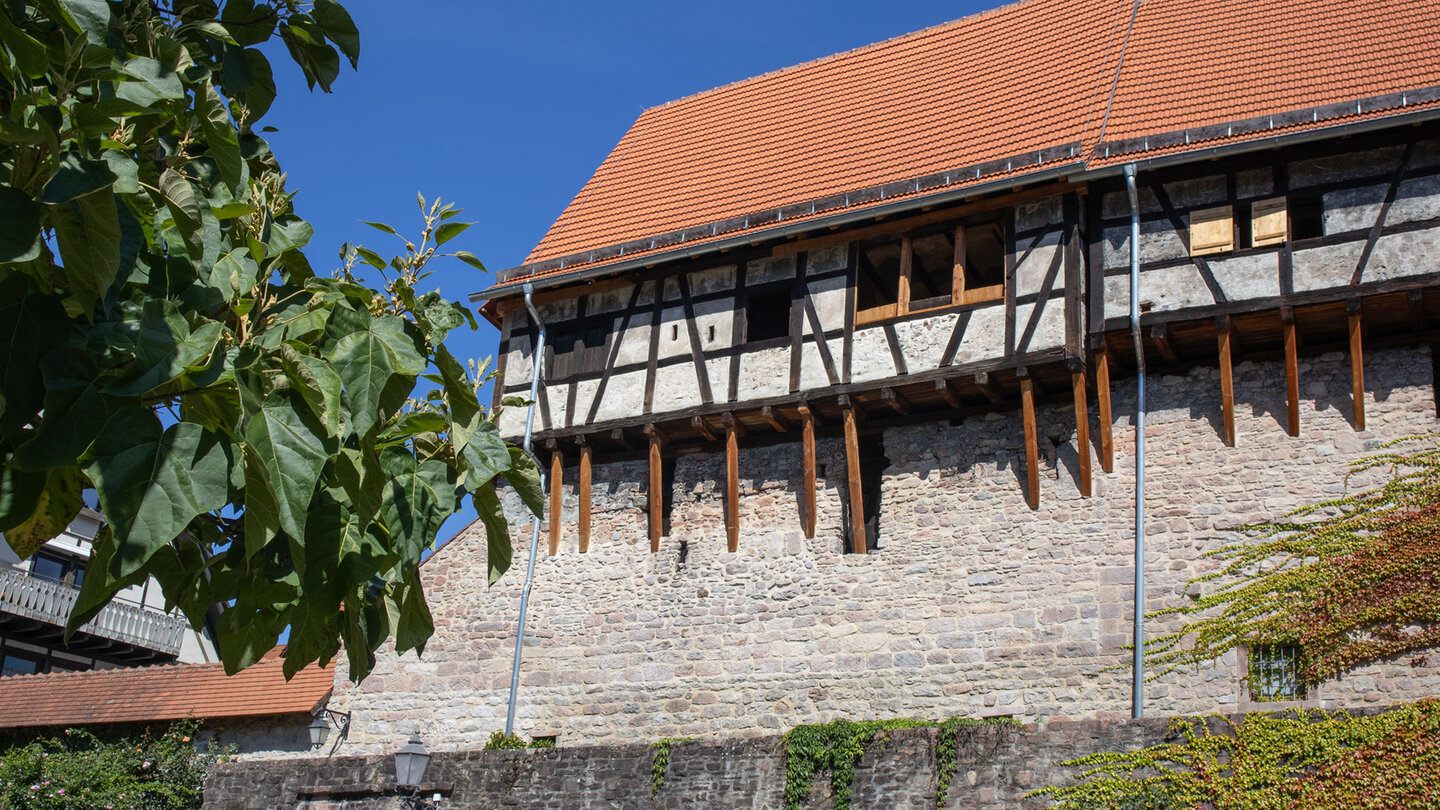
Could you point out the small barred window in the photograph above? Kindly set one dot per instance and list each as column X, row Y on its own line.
column 1275, row 673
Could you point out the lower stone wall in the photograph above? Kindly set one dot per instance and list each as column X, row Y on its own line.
column 997, row 766
column 974, row 605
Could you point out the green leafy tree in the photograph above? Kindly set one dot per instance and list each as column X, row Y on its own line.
column 247, row 424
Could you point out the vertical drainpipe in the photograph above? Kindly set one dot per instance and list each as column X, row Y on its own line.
column 536, row 356
column 1137, row 709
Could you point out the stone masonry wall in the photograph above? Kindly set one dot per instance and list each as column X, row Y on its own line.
column 973, row 606
column 996, row 767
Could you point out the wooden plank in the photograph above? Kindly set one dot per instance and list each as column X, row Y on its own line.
column 618, row 436
column 584, row 497
column 739, row 330
column 1082, row 430
column 846, row 341
column 1161, row 336
column 774, row 420
column 852, row 474
column 657, row 483
column 703, row 428
column 732, row 484
column 697, row 351
column 928, row 218
column 896, row 402
column 1357, row 365
column 1074, row 280
column 1224, row 332
column 1379, row 226
column 1032, row 446
column 652, row 364
column 556, row 468
column 1102, row 393
column 823, row 345
column 797, row 314
column 897, row 355
column 1292, row 372
column 1416, row 299
column 944, row 389
column 807, row 482
column 988, row 388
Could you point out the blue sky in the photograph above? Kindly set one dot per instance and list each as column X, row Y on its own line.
column 507, row 108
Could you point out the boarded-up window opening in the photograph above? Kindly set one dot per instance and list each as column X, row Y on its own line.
column 1212, row 230
column 873, row 464
column 561, row 351
column 1307, row 217
column 767, row 315
column 1266, row 225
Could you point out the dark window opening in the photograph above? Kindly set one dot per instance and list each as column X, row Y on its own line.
column 22, row 662
column 932, row 270
column 65, row 568
column 984, row 258
column 767, row 315
column 1246, row 228
column 595, row 336
column 878, row 276
column 873, row 464
column 667, row 492
column 561, row 350
column 1307, row 217
column 1275, row 672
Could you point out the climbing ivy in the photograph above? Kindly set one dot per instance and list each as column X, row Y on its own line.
column 836, row 747
column 1266, row 762
column 660, row 761
column 1351, row 580
column 500, row 741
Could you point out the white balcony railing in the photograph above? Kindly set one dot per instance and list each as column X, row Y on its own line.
column 47, row 601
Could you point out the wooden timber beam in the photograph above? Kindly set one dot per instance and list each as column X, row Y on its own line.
column 1416, row 299
column 733, row 429
column 807, row 477
column 774, row 419
column 896, row 402
column 703, row 428
column 556, row 473
column 657, row 485
column 988, row 388
column 1082, row 429
column 618, row 436
column 1224, row 338
column 1161, row 337
column 1357, row 363
column 1032, row 447
column 584, row 496
column 852, row 474
column 947, row 391
column 1102, row 393
column 1292, row 372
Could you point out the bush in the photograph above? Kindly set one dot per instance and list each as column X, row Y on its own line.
column 78, row 769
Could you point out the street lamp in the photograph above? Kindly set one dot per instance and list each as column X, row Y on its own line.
column 410, row 764
column 320, row 728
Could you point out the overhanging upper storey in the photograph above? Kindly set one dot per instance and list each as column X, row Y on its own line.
column 1035, row 89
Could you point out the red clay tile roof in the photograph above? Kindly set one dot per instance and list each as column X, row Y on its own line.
column 1035, row 75
column 169, row 692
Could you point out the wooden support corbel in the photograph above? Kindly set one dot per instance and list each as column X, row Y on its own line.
column 947, row 391
column 896, row 402
column 988, row 388
column 1292, row 371
column 852, row 474
column 1032, row 446
column 733, row 430
column 1082, row 429
column 584, row 494
column 657, row 486
column 1161, row 336
column 1357, row 362
column 703, row 428
column 556, row 475
column 807, row 476
column 618, row 436
column 1102, row 393
column 1224, row 334
column 773, row 419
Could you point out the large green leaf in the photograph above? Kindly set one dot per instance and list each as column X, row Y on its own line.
column 339, row 29
column 20, row 492
column 319, row 385
column 367, row 360
column 184, row 207
column 220, row 134
column 416, row 625
column 292, row 448
column 166, row 348
column 75, row 409
column 58, row 504
column 99, row 585
column 77, row 177
column 89, row 17
column 485, row 454
column 29, row 52
column 150, row 82
column 525, row 478
column 87, row 230
column 152, row 483
column 498, row 549
column 19, row 226
column 30, row 326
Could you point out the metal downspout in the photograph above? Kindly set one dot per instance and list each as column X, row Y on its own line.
column 537, row 356
column 1137, row 709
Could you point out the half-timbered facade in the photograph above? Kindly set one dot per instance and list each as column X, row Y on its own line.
column 880, row 304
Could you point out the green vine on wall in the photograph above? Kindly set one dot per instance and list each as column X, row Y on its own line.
column 500, row 741
column 836, row 747
column 660, row 761
column 1352, row 580
column 1266, row 762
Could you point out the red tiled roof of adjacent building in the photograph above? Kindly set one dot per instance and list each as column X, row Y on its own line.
column 160, row 693
column 1035, row 75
